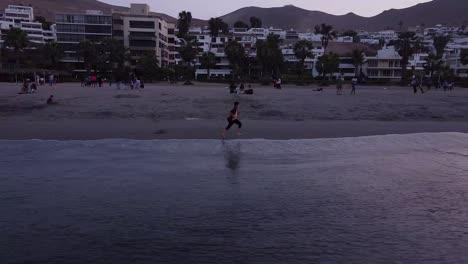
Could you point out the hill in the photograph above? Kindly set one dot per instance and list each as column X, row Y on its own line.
column 449, row 12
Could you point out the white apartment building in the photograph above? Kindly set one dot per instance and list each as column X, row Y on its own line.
column 452, row 56
column 387, row 64
column 22, row 17
column 144, row 32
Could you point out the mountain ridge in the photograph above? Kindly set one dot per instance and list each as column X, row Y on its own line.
column 449, row 12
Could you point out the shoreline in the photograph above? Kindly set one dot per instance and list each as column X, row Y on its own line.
column 146, row 129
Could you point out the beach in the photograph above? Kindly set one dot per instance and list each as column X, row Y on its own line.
column 175, row 111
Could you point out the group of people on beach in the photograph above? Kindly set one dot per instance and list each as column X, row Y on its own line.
column 415, row 83
column 92, row 81
column 29, row 86
column 339, row 85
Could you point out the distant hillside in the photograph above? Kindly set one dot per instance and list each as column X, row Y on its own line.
column 48, row 8
column 449, row 12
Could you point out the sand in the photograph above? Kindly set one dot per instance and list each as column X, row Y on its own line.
column 163, row 111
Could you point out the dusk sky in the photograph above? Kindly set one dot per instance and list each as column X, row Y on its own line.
column 211, row 8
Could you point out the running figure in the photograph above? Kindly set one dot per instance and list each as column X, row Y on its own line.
column 233, row 119
column 415, row 83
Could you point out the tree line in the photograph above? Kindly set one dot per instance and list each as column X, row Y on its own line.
column 110, row 57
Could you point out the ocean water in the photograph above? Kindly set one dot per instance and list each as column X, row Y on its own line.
column 383, row 199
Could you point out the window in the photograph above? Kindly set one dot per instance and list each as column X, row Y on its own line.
column 70, row 37
column 142, row 43
column 171, row 31
column 160, row 26
column 118, row 21
column 372, row 63
column 373, row 73
column 70, row 28
column 387, row 73
column 142, row 34
column 142, row 24
column 98, row 29
column 104, row 20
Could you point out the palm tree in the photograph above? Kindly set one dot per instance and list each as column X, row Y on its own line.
column 52, row 53
column 188, row 52
column 464, row 56
column 17, row 40
column 328, row 64
column 302, row 51
column 358, row 58
column 88, row 52
column 327, row 34
column 433, row 64
column 236, row 55
column 440, row 42
column 183, row 24
column 407, row 44
column 208, row 62
column 216, row 25
column 269, row 54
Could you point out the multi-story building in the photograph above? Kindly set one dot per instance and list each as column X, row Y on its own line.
column 22, row 17
column 145, row 33
column 452, row 57
column 92, row 25
column 387, row 64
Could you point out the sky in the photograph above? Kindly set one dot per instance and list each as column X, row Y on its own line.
column 205, row 9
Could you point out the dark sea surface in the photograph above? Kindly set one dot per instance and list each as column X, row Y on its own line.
column 383, row 199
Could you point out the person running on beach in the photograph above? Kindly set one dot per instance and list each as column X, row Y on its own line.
column 415, row 83
column 233, row 119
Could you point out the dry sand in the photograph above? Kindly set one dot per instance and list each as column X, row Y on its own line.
column 176, row 111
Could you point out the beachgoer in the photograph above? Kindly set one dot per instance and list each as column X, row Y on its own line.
column 339, row 85
column 353, row 85
column 415, row 84
column 50, row 101
column 233, row 119
column 137, row 84
column 33, row 88
column 51, row 80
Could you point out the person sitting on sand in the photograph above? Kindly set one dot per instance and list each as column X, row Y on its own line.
column 33, row 88
column 24, row 88
column 51, row 101
column 233, row 119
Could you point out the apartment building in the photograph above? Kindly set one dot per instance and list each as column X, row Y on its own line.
column 387, row 64
column 93, row 25
column 217, row 46
column 145, row 33
column 452, row 56
column 22, row 17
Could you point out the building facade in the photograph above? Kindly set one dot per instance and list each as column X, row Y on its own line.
column 144, row 33
column 22, row 17
column 93, row 25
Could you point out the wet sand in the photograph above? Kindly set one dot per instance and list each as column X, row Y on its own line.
column 163, row 111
